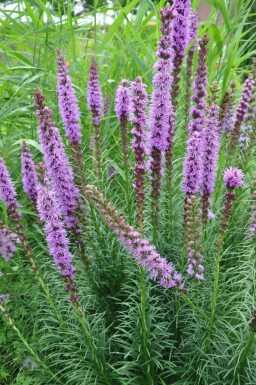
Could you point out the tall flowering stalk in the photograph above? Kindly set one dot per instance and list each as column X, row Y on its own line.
column 160, row 112
column 241, row 113
column 139, row 119
column 193, row 162
column 211, row 145
column 29, row 175
column 68, row 104
column 179, row 41
column 194, row 246
column 56, row 238
column 122, row 108
column 145, row 254
column 8, row 242
column 228, row 112
column 233, row 178
column 94, row 100
column 56, row 162
column 192, row 34
column 8, row 195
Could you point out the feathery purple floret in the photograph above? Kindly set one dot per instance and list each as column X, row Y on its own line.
column 233, row 177
column 195, row 268
column 199, row 86
column 192, row 169
column 211, row 144
column 139, row 118
column 161, row 102
column 28, row 171
column 160, row 112
column 193, row 161
column 179, row 41
column 122, row 108
column 242, row 111
column 244, row 102
column 145, row 254
column 193, row 30
column 55, row 232
column 94, row 94
column 8, row 241
column 68, row 104
column 7, row 191
column 122, row 102
column 56, row 161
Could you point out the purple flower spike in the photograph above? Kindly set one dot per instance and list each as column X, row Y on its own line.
column 8, row 241
column 56, row 237
column 94, row 99
column 179, row 41
column 94, row 94
column 159, row 268
column 193, row 31
column 193, row 161
column 211, row 144
column 233, row 177
column 122, row 108
column 192, row 170
column 68, row 104
column 7, row 191
column 199, row 86
column 242, row 111
column 139, row 119
column 56, row 161
column 29, row 176
column 160, row 111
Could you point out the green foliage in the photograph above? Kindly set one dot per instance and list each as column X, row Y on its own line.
column 142, row 334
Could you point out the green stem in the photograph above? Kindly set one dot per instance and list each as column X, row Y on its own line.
column 26, row 344
column 241, row 363
column 95, row 357
column 144, row 328
column 195, row 307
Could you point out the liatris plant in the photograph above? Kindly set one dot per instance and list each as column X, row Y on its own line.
column 68, row 104
column 211, row 144
column 179, row 41
column 122, row 108
column 145, row 254
column 7, row 191
column 199, row 86
column 192, row 170
column 194, row 247
column 241, row 113
column 192, row 34
column 8, row 242
column 233, row 178
column 160, row 112
column 139, row 119
column 227, row 113
column 57, row 239
column 94, row 100
column 56, row 162
column 29, row 176
column 8, row 195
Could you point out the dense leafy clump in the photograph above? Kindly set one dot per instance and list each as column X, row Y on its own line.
column 127, row 227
